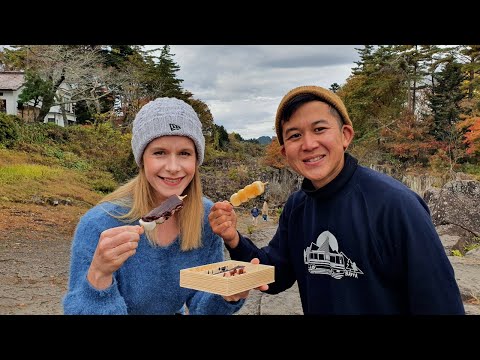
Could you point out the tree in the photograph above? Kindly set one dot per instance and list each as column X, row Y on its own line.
column 204, row 115
column 472, row 137
column 469, row 125
column 237, row 136
column 334, row 87
column 116, row 55
column 376, row 94
column 409, row 140
column 412, row 60
column 469, row 55
column 147, row 76
column 220, row 137
column 34, row 89
column 445, row 102
column 79, row 67
column 166, row 70
column 273, row 156
column 366, row 60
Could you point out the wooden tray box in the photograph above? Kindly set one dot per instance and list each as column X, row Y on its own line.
column 210, row 277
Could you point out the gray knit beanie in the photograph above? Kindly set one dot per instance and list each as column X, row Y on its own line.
column 166, row 116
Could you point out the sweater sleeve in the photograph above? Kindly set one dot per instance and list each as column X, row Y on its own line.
column 426, row 271
column 81, row 296
column 204, row 303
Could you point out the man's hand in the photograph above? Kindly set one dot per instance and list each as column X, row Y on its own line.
column 244, row 294
column 223, row 221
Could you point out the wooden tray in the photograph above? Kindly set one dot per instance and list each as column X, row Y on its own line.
column 211, row 277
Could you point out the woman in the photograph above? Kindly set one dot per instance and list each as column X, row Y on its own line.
column 119, row 268
column 265, row 210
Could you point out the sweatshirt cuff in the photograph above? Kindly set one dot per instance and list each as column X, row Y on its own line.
column 242, row 248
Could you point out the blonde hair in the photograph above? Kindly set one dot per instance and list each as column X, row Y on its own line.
column 138, row 195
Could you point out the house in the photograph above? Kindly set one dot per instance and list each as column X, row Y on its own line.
column 11, row 86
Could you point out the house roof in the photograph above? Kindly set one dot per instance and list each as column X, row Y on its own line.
column 11, row 80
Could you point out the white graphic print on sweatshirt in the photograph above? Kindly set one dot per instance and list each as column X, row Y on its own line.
column 323, row 257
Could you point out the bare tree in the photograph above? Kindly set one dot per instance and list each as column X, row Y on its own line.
column 79, row 68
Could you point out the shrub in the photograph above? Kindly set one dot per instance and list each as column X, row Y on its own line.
column 8, row 129
column 456, row 253
column 102, row 181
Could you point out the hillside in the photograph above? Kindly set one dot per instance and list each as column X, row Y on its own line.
column 264, row 140
column 42, row 194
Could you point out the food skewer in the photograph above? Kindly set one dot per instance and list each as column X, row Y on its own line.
column 248, row 192
column 162, row 212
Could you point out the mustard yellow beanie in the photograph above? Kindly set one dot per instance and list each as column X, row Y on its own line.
column 326, row 95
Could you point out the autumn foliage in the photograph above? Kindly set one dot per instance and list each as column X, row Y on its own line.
column 273, row 156
column 471, row 126
column 408, row 139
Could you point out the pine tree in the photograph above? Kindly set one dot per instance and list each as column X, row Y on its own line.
column 446, row 99
column 167, row 69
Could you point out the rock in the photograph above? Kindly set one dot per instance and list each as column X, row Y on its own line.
column 473, row 254
column 448, row 236
column 467, row 274
column 455, row 213
column 457, row 203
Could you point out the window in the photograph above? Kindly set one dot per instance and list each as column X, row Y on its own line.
column 3, row 105
column 51, row 120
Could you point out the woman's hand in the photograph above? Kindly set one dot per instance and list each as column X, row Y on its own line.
column 114, row 247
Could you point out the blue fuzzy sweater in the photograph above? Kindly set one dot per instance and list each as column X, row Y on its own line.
column 148, row 282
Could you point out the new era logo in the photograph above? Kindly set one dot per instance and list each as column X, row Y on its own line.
column 174, row 127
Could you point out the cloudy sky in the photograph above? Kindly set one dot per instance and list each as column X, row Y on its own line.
column 243, row 84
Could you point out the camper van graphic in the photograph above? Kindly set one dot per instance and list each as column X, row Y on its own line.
column 323, row 257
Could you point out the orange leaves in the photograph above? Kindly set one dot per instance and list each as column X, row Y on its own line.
column 472, row 134
column 273, row 156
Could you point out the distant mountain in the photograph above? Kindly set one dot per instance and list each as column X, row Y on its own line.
column 264, row 140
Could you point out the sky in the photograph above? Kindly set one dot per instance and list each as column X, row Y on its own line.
column 243, row 84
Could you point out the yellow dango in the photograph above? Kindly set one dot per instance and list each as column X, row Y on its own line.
column 251, row 191
column 248, row 192
column 234, row 200
column 242, row 195
column 260, row 187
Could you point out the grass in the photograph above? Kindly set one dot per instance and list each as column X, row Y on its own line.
column 475, row 244
column 18, row 173
column 23, row 180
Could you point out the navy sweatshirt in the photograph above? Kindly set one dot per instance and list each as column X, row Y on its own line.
column 363, row 244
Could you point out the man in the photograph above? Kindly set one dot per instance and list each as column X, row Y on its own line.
column 255, row 212
column 356, row 241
